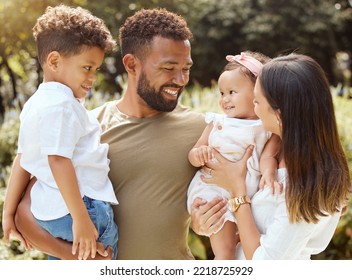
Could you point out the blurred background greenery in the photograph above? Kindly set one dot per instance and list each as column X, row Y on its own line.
column 319, row 28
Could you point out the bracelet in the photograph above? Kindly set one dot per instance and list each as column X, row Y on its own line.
column 236, row 202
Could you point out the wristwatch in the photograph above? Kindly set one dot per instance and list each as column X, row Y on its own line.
column 236, row 202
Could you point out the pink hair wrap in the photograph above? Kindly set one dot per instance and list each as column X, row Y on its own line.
column 247, row 61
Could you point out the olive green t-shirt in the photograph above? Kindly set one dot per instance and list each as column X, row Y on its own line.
column 150, row 172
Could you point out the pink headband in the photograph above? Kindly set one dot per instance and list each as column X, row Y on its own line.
column 247, row 61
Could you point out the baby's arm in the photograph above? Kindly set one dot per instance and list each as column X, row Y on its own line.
column 201, row 153
column 84, row 231
column 17, row 184
column 269, row 163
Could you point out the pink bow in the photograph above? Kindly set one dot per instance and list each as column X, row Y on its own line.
column 247, row 61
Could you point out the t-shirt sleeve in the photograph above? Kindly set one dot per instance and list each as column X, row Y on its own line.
column 60, row 130
column 285, row 240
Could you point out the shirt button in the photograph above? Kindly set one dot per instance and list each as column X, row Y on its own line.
column 219, row 126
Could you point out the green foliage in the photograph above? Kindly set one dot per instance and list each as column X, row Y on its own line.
column 202, row 99
column 220, row 27
column 8, row 146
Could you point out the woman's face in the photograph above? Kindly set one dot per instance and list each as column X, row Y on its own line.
column 270, row 118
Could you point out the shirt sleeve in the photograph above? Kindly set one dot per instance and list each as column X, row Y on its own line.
column 285, row 240
column 209, row 117
column 60, row 130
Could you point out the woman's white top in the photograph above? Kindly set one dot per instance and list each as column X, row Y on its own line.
column 280, row 239
column 54, row 122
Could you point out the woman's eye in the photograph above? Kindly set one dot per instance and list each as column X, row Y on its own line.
column 88, row 68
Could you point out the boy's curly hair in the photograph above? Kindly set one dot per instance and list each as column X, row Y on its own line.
column 138, row 31
column 67, row 30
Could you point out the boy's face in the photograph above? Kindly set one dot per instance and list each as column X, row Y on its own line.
column 78, row 72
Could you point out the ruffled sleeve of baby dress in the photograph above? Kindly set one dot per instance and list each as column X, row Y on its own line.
column 213, row 117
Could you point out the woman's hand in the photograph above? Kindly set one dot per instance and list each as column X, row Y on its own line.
column 207, row 217
column 228, row 175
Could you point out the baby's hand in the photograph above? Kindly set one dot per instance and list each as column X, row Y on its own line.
column 269, row 179
column 203, row 154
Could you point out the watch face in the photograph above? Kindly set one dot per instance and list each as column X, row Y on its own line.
column 233, row 205
column 236, row 202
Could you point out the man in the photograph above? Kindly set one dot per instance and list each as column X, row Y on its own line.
column 149, row 136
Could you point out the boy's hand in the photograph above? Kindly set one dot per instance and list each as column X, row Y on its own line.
column 203, row 154
column 84, row 238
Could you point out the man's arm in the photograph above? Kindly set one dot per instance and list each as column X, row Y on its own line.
column 41, row 239
column 17, row 183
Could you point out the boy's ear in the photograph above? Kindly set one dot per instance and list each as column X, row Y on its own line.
column 130, row 62
column 52, row 60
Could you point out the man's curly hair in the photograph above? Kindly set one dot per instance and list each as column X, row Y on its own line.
column 138, row 31
column 68, row 30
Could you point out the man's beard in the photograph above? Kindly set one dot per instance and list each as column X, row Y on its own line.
column 154, row 98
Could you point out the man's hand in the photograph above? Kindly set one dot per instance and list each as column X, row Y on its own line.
column 10, row 230
column 207, row 217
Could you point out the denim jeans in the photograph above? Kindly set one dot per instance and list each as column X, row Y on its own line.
column 102, row 217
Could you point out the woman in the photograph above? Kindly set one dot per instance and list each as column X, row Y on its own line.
column 293, row 100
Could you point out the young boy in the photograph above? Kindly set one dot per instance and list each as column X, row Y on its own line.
column 59, row 142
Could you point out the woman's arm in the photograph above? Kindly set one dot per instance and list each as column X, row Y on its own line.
column 41, row 239
column 231, row 176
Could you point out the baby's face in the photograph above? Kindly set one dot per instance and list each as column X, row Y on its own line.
column 236, row 95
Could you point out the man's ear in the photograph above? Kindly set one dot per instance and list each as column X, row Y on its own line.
column 130, row 62
column 53, row 60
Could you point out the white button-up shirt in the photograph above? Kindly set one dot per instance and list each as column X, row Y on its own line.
column 54, row 122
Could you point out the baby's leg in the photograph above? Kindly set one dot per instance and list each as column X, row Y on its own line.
column 224, row 242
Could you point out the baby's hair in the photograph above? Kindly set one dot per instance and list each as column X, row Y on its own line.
column 68, row 31
column 138, row 31
column 232, row 65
